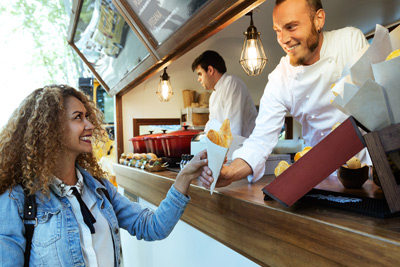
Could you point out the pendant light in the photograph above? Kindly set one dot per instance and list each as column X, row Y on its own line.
column 164, row 90
column 252, row 58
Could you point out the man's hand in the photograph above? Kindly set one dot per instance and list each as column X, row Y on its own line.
column 237, row 170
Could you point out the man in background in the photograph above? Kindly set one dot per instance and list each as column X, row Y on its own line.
column 230, row 98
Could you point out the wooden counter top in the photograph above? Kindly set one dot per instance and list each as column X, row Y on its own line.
column 270, row 234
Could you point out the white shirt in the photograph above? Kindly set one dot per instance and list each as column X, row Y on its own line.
column 231, row 100
column 304, row 92
column 97, row 248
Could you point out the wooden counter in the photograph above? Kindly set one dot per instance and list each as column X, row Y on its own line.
column 270, row 234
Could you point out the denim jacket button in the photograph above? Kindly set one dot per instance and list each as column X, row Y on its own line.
column 102, row 206
column 116, row 231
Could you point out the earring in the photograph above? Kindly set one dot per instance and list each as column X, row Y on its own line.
column 319, row 30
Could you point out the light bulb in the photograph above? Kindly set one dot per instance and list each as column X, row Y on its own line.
column 252, row 54
column 164, row 89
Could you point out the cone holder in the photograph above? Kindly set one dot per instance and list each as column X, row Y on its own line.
column 333, row 151
column 379, row 144
column 317, row 164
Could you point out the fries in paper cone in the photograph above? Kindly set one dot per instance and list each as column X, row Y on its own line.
column 218, row 143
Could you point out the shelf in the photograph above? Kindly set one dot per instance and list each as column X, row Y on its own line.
column 195, row 117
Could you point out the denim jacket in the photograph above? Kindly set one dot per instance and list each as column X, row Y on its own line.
column 56, row 240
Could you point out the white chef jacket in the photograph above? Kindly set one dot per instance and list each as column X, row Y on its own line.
column 304, row 92
column 231, row 100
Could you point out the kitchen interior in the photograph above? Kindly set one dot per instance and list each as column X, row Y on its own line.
column 235, row 225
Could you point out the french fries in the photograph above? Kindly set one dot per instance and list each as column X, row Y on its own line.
column 223, row 137
column 213, row 136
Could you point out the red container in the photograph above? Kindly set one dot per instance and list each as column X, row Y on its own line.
column 154, row 144
column 139, row 146
column 177, row 143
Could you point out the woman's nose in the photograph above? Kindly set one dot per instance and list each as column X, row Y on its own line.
column 89, row 125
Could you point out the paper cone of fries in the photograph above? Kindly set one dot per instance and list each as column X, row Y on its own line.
column 218, row 143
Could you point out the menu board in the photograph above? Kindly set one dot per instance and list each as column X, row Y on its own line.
column 162, row 18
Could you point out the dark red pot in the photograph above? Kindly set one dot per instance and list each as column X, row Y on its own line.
column 139, row 146
column 154, row 144
column 177, row 143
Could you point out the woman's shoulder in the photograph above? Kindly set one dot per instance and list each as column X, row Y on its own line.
column 13, row 195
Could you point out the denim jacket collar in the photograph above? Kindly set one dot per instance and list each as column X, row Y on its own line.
column 90, row 181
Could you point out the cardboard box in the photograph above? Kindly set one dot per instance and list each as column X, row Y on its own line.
column 195, row 116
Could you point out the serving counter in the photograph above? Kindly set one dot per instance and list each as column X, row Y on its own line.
column 270, row 234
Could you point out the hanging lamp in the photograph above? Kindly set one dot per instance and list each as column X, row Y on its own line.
column 164, row 90
column 252, row 58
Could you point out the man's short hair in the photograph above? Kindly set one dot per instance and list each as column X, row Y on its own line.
column 210, row 58
column 314, row 5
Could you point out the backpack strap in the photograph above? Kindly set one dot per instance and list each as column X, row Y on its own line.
column 30, row 209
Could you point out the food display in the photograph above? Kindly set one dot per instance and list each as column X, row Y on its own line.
column 148, row 161
column 155, row 165
column 122, row 159
column 125, row 158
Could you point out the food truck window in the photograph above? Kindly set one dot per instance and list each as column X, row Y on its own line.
column 162, row 18
column 106, row 43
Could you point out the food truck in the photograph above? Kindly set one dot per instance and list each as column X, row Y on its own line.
column 130, row 45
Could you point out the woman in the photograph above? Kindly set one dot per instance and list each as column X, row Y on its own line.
column 46, row 147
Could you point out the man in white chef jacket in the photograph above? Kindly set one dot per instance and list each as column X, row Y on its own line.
column 300, row 85
column 230, row 98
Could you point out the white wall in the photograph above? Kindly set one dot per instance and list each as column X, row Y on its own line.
column 185, row 246
column 142, row 101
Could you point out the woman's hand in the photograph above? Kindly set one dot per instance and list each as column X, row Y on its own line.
column 192, row 170
column 237, row 170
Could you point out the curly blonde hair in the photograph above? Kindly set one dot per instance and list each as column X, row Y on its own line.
column 34, row 138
